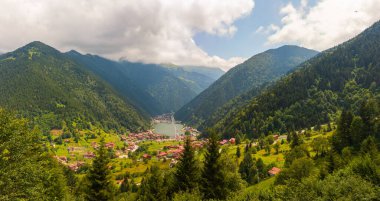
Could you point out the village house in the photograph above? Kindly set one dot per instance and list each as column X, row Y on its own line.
column 76, row 166
column 89, row 155
column 123, row 138
column 275, row 137
column 73, row 167
column 223, row 142
column 123, row 156
column 147, row 156
column 94, row 145
column 232, row 141
column 162, row 154
column 176, row 153
column 197, row 145
column 274, row 171
column 109, row 145
column 61, row 159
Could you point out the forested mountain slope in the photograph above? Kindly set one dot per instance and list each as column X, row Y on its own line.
column 337, row 78
column 259, row 69
column 39, row 82
column 150, row 87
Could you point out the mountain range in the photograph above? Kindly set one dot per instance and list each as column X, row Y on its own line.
column 244, row 81
column 343, row 77
column 42, row 83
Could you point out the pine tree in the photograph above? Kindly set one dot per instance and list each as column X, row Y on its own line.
column 238, row 154
column 100, row 188
column 260, row 168
column 295, row 140
column 247, row 168
column 124, row 186
column 342, row 137
column 213, row 178
column 267, row 148
column 153, row 186
column 187, row 173
column 277, row 147
column 26, row 171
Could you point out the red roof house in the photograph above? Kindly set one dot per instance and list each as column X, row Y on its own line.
column 89, row 155
column 110, row 145
column 274, row 171
column 162, row 154
column 146, row 156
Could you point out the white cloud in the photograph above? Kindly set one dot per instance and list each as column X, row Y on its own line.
column 152, row 31
column 328, row 23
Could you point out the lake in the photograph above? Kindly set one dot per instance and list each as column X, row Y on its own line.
column 167, row 129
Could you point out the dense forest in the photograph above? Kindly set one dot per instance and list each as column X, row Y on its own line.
column 247, row 77
column 339, row 78
column 43, row 84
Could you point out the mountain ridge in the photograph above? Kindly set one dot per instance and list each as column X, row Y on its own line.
column 252, row 73
column 333, row 80
column 39, row 81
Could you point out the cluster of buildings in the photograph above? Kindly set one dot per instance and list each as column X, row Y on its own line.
column 164, row 118
column 148, row 135
column 75, row 166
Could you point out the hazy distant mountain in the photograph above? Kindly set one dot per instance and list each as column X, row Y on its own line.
column 214, row 73
column 40, row 82
column 250, row 75
column 150, row 87
column 197, row 78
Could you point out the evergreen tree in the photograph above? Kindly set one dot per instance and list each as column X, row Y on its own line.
column 213, row 179
column 187, row 173
column 26, row 172
column 124, row 186
column 100, row 188
column 295, row 140
column 357, row 131
column 267, row 148
column 367, row 112
column 153, row 186
column 277, row 147
column 342, row 137
column 247, row 168
column 261, row 168
column 238, row 154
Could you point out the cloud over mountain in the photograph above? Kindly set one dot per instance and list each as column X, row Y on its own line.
column 153, row 31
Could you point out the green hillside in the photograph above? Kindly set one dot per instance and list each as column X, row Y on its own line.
column 41, row 83
column 339, row 78
column 256, row 71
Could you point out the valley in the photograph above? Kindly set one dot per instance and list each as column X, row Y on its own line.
column 157, row 103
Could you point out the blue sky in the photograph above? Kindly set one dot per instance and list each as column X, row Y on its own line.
column 246, row 42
